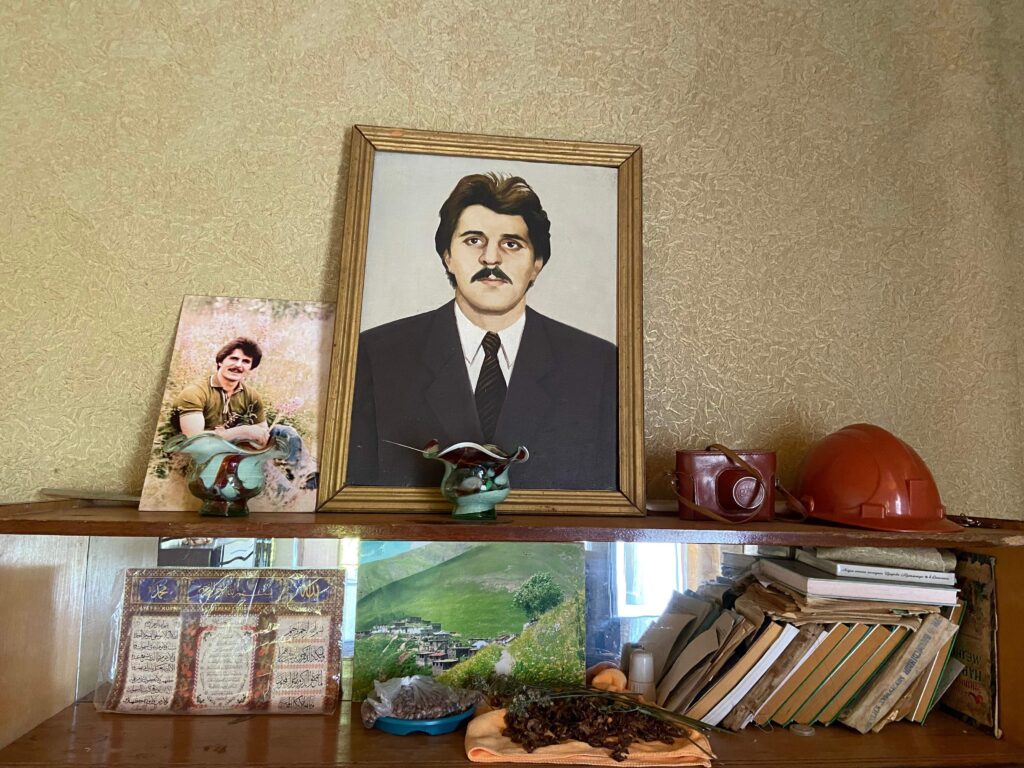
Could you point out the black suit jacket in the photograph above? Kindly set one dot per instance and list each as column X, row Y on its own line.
column 412, row 387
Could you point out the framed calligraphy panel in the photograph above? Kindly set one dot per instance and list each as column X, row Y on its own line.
column 208, row 641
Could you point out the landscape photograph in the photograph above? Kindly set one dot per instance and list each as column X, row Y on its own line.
column 466, row 612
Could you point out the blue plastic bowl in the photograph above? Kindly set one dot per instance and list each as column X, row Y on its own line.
column 400, row 727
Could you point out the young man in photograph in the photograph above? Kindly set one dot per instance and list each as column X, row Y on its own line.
column 485, row 367
column 223, row 403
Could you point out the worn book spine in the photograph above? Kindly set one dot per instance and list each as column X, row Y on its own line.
column 744, row 710
column 890, row 685
column 819, row 650
column 842, row 674
column 903, row 707
column 927, row 699
column 864, row 676
column 726, row 682
column 725, row 706
column 826, row 667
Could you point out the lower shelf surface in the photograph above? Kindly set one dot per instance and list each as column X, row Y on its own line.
column 80, row 736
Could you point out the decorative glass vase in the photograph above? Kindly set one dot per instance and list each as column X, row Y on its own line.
column 224, row 475
column 475, row 477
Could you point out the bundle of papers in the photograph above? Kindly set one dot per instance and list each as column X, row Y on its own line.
column 784, row 604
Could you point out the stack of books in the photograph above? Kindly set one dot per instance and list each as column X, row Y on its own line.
column 810, row 640
column 737, row 564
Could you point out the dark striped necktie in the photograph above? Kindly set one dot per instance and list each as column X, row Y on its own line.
column 490, row 387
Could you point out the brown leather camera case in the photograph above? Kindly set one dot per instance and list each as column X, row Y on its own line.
column 713, row 482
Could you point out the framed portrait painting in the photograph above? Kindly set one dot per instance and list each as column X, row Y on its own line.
column 490, row 292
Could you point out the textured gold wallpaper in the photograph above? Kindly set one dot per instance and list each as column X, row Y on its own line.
column 832, row 203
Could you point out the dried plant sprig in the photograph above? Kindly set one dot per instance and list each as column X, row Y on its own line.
column 531, row 725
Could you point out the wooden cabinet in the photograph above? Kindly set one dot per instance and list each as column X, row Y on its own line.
column 77, row 735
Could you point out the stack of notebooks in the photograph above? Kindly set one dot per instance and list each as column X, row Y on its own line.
column 809, row 640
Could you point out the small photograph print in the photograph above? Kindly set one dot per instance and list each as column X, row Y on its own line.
column 465, row 612
column 249, row 371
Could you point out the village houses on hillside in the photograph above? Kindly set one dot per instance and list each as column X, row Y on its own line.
column 436, row 648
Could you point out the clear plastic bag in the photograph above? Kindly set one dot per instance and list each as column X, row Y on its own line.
column 415, row 698
column 209, row 641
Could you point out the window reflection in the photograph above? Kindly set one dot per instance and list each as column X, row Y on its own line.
column 646, row 574
column 208, row 552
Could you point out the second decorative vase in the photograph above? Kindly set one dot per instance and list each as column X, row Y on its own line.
column 475, row 477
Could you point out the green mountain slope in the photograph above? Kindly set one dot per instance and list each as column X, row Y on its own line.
column 472, row 593
column 380, row 573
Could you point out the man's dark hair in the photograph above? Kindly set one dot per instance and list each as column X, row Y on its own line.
column 508, row 195
column 244, row 343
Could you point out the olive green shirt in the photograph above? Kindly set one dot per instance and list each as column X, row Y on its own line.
column 245, row 406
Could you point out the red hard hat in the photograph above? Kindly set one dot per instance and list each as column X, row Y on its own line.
column 863, row 475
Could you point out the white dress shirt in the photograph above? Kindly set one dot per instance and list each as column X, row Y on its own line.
column 472, row 339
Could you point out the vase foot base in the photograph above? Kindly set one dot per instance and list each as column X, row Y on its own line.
column 477, row 515
column 224, row 509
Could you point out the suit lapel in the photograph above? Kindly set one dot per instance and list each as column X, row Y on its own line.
column 448, row 393
column 529, row 400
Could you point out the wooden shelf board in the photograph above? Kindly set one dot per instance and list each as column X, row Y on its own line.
column 80, row 519
column 79, row 736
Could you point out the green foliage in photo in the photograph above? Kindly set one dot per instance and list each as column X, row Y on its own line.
column 538, row 595
column 381, row 658
column 550, row 652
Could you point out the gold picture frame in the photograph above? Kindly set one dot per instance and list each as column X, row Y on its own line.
column 621, row 165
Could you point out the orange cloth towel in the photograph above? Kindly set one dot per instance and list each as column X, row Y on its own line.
column 485, row 744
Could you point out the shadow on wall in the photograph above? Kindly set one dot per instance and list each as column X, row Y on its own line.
column 152, row 400
column 790, row 438
column 39, row 622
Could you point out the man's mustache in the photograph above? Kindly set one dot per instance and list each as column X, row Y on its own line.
column 491, row 273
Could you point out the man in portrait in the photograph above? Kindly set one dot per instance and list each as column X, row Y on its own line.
column 485, row 367
column 223, row 403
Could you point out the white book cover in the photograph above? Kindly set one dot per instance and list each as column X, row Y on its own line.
column 879, row 572
column 953, row 669
column 815, row 583
column 731, row 699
